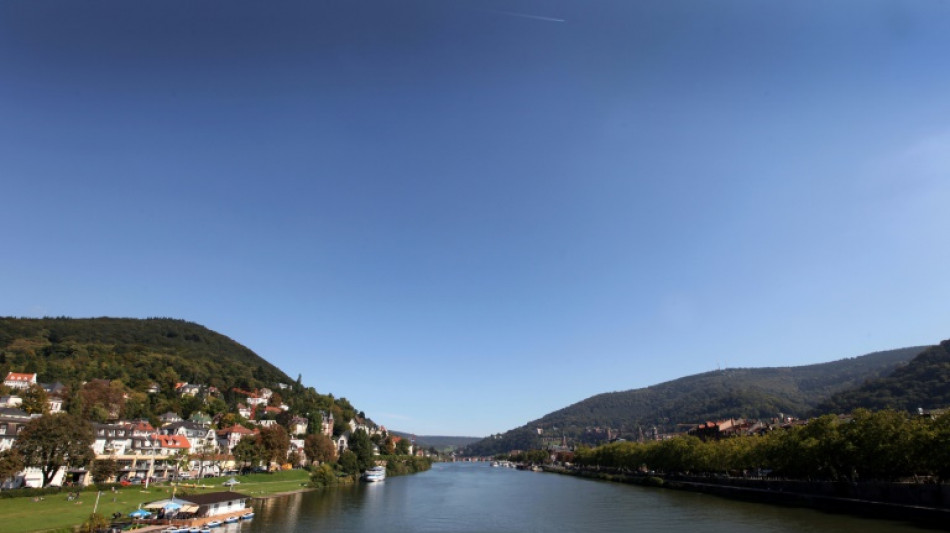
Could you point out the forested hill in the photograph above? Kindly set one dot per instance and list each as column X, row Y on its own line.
column 439, row 442
column 922, row 383
column 730, row 393
column 136, row 352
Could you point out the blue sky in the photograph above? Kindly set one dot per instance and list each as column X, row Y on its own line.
column 462, row 215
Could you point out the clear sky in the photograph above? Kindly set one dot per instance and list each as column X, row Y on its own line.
column 462, row 215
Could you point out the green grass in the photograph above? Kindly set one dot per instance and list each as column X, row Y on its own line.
column 21, row 515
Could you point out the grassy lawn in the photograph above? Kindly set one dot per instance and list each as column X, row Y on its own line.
column 20, row 515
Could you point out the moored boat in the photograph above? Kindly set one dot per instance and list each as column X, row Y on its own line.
column 231, row 520
column 377, row 473
column 213, row 523
column 248, row 515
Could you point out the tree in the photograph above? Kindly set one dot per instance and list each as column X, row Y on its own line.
column 55, row 441
column 349, row 462
column 182, row 461
column 103, row 470
column 402, row 447
column 108, row 397
column 274, row 443
column 319, row 448
column 294, row 458
column 248, row 451
column 35, row 400
column 205, row 452
column 11, row 463
column 363, row 448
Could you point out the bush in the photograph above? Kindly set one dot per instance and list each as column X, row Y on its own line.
column 323, row 476
column 29, row 492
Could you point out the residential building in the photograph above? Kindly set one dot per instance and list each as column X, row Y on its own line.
column 298, row 425
column 229, row 437
column 16, row 380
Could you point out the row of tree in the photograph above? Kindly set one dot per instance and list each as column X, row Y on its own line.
column 879, row 445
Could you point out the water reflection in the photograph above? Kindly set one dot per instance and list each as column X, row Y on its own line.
column 478, row 498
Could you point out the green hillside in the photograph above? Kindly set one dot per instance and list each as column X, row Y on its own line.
column 924, row 382
column 730, row 393
column 108, row 364
column 136, row 352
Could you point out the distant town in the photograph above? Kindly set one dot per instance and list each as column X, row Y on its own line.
column 260, row 434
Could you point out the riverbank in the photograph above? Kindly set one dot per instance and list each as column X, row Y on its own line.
column 59, row 513
column 924, row 504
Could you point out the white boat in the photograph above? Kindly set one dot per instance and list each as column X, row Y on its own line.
column 213, row 523
column 248, row 515
column 377, row 473
column 232, row 520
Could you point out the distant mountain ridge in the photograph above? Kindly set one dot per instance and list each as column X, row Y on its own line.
column 730, row 393
column 439, row 442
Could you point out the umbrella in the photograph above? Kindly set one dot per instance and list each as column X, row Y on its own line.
column 171, row 506
column 139, row 513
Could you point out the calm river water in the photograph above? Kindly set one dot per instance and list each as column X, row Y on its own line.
column 474, row 497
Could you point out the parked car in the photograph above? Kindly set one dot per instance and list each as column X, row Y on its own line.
column 231, row 483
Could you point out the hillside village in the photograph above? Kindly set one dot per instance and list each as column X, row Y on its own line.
column 260, row 431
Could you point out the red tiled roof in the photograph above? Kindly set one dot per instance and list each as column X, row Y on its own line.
column 237, row 428
column 173, row 441
column 16, row 376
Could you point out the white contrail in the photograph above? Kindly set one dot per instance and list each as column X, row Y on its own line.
column 527, row 16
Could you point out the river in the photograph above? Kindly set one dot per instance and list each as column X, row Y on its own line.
column 474, row 497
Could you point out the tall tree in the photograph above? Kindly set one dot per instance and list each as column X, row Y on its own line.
column 274, row 442
column 11, row 463
column 319, row 448
column 248, row 451
column 55, row 441
column 363, row 448
column 35, row 400
column 104, row 469
column 349, row 462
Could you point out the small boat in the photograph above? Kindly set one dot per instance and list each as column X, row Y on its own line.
column 206, row 529
column 377, row 473
column 248, row 515
column 213, row 523
column 170, row 529
column 232, row 520
column 194, row 529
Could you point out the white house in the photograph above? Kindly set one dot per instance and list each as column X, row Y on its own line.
column 298, row 425
column 16, row 380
